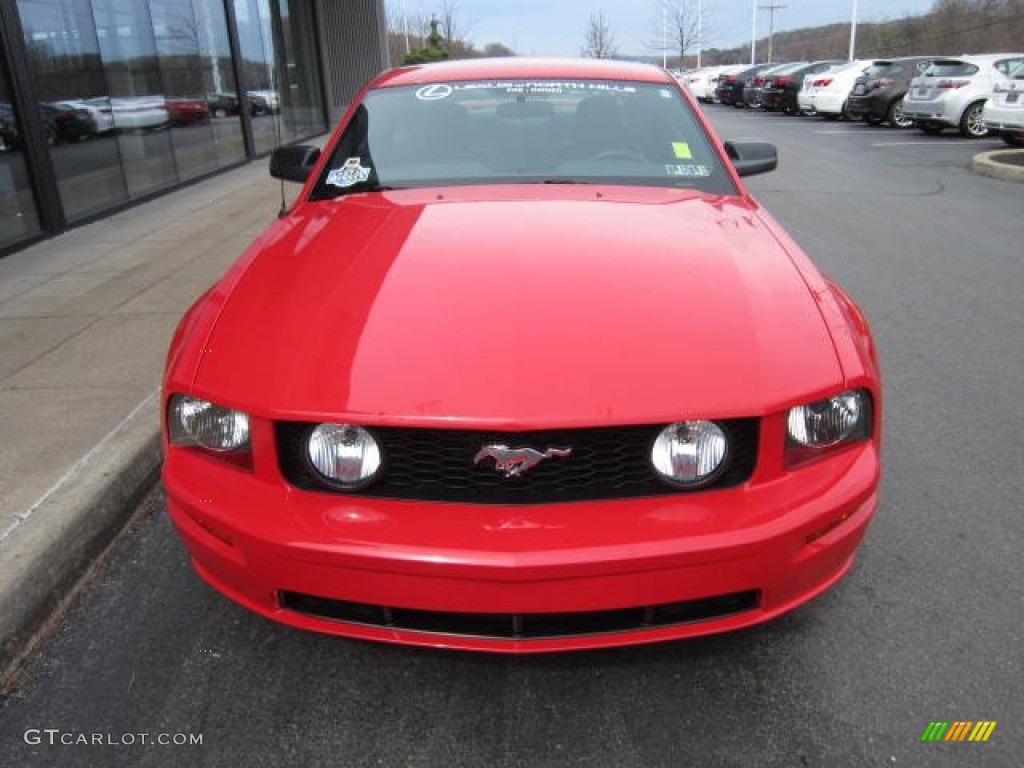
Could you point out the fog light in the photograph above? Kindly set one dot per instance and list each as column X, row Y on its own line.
column 690, row 453
column 345, row 454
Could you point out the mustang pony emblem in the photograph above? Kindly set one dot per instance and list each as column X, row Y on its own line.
column 514, row 461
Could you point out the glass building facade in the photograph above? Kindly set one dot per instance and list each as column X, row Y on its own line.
column 106, row 102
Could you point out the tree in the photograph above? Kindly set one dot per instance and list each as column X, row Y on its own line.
column 451, row 24
column 680, row 25
column 494, row 50
column 431, row 52
column 598, row 42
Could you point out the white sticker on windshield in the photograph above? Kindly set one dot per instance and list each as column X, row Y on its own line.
column 352, row 172
column 688, row 171
column 434, row 92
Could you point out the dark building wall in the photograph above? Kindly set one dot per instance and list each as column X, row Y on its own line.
column 353, row 45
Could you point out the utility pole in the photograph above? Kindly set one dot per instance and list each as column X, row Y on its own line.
column 771, row 8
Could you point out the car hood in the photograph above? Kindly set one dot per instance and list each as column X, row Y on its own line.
column 495, row 308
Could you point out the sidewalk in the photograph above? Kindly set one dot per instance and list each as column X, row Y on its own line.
column 85, row 320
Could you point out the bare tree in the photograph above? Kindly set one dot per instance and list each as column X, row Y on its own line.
column 451, row 25
column 598, row 42
column 681, row 25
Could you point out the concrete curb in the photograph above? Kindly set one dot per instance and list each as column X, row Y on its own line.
column 44, row 557
column 987, row 164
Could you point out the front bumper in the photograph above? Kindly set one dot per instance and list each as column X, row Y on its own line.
column 261, row 543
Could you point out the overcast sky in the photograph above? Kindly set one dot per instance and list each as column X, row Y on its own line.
column 556, row 27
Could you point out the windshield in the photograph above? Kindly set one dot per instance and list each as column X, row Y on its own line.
column 523, row 132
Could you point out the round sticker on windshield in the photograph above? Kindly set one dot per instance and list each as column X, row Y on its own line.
column 434, row 92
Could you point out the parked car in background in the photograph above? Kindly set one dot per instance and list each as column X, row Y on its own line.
column 102, row 117
column 187, row 111
column 9, row 137
column 952, row 91
column 780, row 91
column 730, row 87
column 263, row 102
column 831, row 89
column 753, row 94
column 63, row 123
column 805, row 94
column 702, row 82
column 222, row 104
column 135, row 113
column 1004, row 111
column 877, row 95
column 718, row 80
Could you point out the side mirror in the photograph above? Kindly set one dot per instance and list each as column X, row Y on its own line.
column 750, row 158
column 293, row 163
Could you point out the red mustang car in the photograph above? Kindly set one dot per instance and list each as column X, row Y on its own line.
column 524, row 368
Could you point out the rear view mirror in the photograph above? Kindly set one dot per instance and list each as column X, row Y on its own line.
column 750, row 158
column 293, row 163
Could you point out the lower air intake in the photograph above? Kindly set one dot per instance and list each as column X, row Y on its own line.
column 515, row 626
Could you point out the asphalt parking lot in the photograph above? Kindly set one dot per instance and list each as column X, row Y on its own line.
column 927, row 626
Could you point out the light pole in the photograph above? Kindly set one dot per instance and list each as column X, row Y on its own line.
column 664, row 35
column 700, row 29
column 853, row 31
column 753, row 32
column 405, row 25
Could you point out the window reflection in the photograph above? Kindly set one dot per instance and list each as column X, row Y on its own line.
column 303, row 113
column 219, row 87
column 138, row 95
column 64, row 55
column 280, row 74
column 141, row 118
column 259, row 81
column 18, row 217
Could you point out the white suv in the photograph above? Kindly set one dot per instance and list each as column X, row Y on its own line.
column 951, row 93
column 1004, row 111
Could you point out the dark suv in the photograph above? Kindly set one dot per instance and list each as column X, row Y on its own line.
column 877, row 95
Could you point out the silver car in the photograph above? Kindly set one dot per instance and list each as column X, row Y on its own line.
column 1004, row 111
column 951, row 93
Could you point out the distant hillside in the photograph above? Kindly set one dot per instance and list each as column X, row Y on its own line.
column 952, row 27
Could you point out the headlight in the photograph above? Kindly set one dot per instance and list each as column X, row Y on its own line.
column 813, row 429
column 827, row 422
column 196, row 422
column 345, row 454
column 690, row 453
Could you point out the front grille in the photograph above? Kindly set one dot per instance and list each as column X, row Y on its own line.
column 515, row 626
column 437, row 464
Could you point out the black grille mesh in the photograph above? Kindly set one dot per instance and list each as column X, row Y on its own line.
column 437, row 464
column 523, row 625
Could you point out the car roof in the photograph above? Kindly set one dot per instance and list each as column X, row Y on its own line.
column 980, row 58
column 519, row 67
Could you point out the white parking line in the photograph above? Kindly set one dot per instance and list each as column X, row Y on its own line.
column 924, row 143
